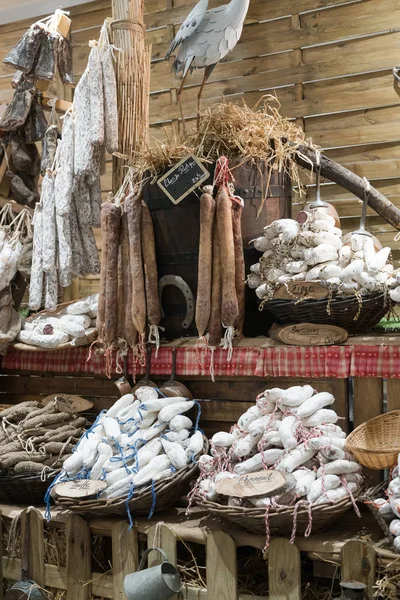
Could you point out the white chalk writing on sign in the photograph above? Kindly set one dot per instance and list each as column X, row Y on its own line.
column 183, row 178
column 252, row 484
column 80, row 488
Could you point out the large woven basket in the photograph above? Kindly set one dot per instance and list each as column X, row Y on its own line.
column 24, row 488
column 280, row 521
column 344, row 311
column 376, row 443
column 167, row 493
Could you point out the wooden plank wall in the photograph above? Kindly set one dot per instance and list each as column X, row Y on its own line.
column 222, row 402
column 329, row 64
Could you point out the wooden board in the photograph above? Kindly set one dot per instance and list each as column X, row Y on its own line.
column 125, row 559
column 161, row 536
column 358, row 564
column 221, row 565
column 79, row 570
column 284, row 572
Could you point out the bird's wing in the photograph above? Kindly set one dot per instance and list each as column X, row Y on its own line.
column 189, row 25
column 215, row 36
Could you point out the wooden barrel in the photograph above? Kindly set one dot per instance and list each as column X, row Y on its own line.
column 177, row 232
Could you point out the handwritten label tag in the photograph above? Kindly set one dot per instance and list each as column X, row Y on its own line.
column 251, row 484
column 69, row 403
column 301, row 289
column 183, row 178
column 310, row 334
column 81, row 488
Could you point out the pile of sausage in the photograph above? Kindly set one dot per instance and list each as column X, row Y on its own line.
column 64, row 243
column 128, row 300
column 221, row 277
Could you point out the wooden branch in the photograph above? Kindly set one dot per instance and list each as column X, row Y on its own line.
column 351, row 182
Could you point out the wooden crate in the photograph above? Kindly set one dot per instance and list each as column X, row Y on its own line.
column 357, row 557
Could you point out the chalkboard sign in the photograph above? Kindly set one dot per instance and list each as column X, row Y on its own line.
column 183, row 178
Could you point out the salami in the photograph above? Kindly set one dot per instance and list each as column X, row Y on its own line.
column 65, row 169
column 45, row 63
column 36, row 280
column 51, row 291
column 133, row 210
column 83, row 149
column 76, row 244
column 240, row 268
column 64, row 248
column 18, row 109
column 203, row 303
column 47, row 200
column 96, row 98
column 120, row 298
column 112, row 244
column 20, row 155
column 49, row 147
column 36, row 123
column 229, row 304
column 150, row 270
column 23, row 55
column 215, row 324
column 110, row 100
column 95, row 202
column 129, row 331
column 100, row 321
column 64, row 61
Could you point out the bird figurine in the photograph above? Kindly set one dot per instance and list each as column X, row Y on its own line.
column 205, row 38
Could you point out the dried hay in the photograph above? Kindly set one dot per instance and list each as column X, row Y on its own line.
column 252, row 573
column 235, row 131
column 54, row 552
column 387, row 585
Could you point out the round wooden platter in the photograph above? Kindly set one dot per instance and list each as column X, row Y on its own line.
column 308, row 334
column 69, row 403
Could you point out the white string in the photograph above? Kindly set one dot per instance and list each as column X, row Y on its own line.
column 367, row 185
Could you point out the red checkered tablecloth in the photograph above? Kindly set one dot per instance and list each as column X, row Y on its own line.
column 259, row 357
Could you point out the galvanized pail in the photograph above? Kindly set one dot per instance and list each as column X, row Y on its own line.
column 156, row 583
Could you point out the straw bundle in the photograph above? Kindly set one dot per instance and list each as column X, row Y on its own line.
column 235, row 131
column 133, row 80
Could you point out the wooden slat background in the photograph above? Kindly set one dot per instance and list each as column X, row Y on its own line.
column 329, row 64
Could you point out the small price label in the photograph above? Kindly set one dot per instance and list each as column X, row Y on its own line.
column 180, row 181
column 309, row 334
column 251, row 484
column 69, row 403
column 81, row 488
column 301, row 289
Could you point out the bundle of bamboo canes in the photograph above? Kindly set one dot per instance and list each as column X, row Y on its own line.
column 133, row 81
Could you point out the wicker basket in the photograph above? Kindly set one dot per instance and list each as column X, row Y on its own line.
column 24, row 488
column 167, row 493
column 376, row 443
column 280, row 521
column 343, row 311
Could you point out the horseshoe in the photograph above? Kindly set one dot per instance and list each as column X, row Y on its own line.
column 181, row 284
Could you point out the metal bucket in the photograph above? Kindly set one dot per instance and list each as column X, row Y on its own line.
column 156, row 583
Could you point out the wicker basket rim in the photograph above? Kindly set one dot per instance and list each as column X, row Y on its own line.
column 260, row 512
column 338, row 298
column 362, row 426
